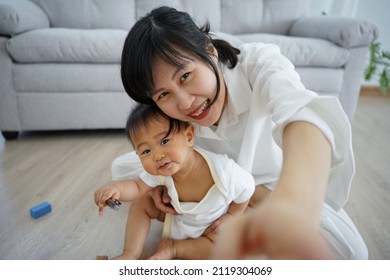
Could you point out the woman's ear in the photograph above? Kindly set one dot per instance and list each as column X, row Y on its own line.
column 212, row 50
column 190, row 134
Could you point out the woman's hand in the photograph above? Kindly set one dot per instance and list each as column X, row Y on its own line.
column 104, row 193
column 162, row 200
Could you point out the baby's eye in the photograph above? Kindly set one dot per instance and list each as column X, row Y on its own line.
column 145, row 152
column 164, row 141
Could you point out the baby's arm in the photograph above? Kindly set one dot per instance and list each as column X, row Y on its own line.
column 125, row 190
column 236, row 209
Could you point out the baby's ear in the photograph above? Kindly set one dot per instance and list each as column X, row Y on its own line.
column 190, row 134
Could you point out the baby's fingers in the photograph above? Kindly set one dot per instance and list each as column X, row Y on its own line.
column 101, row 209
column 102, row 201
column 212, row 228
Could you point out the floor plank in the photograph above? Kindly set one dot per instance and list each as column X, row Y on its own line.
column 65, row 168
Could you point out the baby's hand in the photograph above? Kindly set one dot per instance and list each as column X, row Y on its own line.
column 213, row 229
column 104, row 193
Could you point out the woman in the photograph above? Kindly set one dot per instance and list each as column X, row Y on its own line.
column 250, row 104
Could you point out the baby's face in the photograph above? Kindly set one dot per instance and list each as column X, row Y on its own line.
column 161, row 154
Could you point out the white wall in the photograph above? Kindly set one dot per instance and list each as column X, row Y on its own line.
column 334, row 7
column 378, row 13
column 374, row 11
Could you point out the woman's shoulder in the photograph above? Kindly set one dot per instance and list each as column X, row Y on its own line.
column 250, row 49
column 267, row 55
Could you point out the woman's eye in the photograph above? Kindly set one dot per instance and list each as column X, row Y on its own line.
column 162, row 95
column 184, row 77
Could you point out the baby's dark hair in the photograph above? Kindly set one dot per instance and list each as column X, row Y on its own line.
column 143, row 114
column 165, row 33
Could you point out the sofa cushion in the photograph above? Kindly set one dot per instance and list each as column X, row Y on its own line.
column 322, row 80
column 253, row 16
column 200, row 10
column 89, row 14
column 67, row 77
column 232, row 39
column 67, row 45
column 304, row 51
column 19, row 16
column 346, row 32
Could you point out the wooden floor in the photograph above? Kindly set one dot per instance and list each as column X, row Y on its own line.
column 65, row 168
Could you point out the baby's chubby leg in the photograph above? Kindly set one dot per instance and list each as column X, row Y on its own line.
column 165, row 250
column 141, row 213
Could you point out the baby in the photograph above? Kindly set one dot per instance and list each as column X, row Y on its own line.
column 204, row 187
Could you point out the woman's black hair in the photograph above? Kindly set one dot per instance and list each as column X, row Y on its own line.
column 143, row 114
column 165, row 33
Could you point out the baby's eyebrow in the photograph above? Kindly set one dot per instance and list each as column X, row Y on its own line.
column 156, row 137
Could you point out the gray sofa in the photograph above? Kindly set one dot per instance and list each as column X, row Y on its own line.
column 60, row 59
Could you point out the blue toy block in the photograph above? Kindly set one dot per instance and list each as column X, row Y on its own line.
column 40, row 210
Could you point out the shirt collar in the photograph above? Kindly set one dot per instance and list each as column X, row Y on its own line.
column 238, row 97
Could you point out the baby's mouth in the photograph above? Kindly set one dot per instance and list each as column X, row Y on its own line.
column 165, row 165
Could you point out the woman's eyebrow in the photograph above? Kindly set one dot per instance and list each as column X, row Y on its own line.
column 178, row 68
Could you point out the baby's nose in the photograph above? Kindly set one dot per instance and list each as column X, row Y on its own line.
column 159, row 156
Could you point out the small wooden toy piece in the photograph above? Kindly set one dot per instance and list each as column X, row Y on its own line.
column 102, row 258
column 40, row 210
column 114, row 204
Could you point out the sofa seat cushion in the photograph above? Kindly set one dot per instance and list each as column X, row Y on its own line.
column 67, row 45
column 67, row 77
column 322, row 80
column 304, row 51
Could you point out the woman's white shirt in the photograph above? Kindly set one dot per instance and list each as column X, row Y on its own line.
column 264, row 95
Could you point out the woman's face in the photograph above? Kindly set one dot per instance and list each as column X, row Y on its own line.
column 186, row 93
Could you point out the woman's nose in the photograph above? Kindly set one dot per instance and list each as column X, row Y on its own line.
column 185, row 100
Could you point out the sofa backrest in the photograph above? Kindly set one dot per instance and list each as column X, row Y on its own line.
column 231, row 16
column 89, row 14
column 261, row 16
column 200, row 10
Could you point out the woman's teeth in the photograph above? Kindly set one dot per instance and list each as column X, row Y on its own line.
column 204, row 106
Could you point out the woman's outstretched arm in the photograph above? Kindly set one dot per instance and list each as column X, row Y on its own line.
column 286, row 224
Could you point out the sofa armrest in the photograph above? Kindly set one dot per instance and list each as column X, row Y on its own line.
column 17, row 16
column 343, row 31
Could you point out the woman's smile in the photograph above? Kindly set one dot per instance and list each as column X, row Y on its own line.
column 201, row 111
